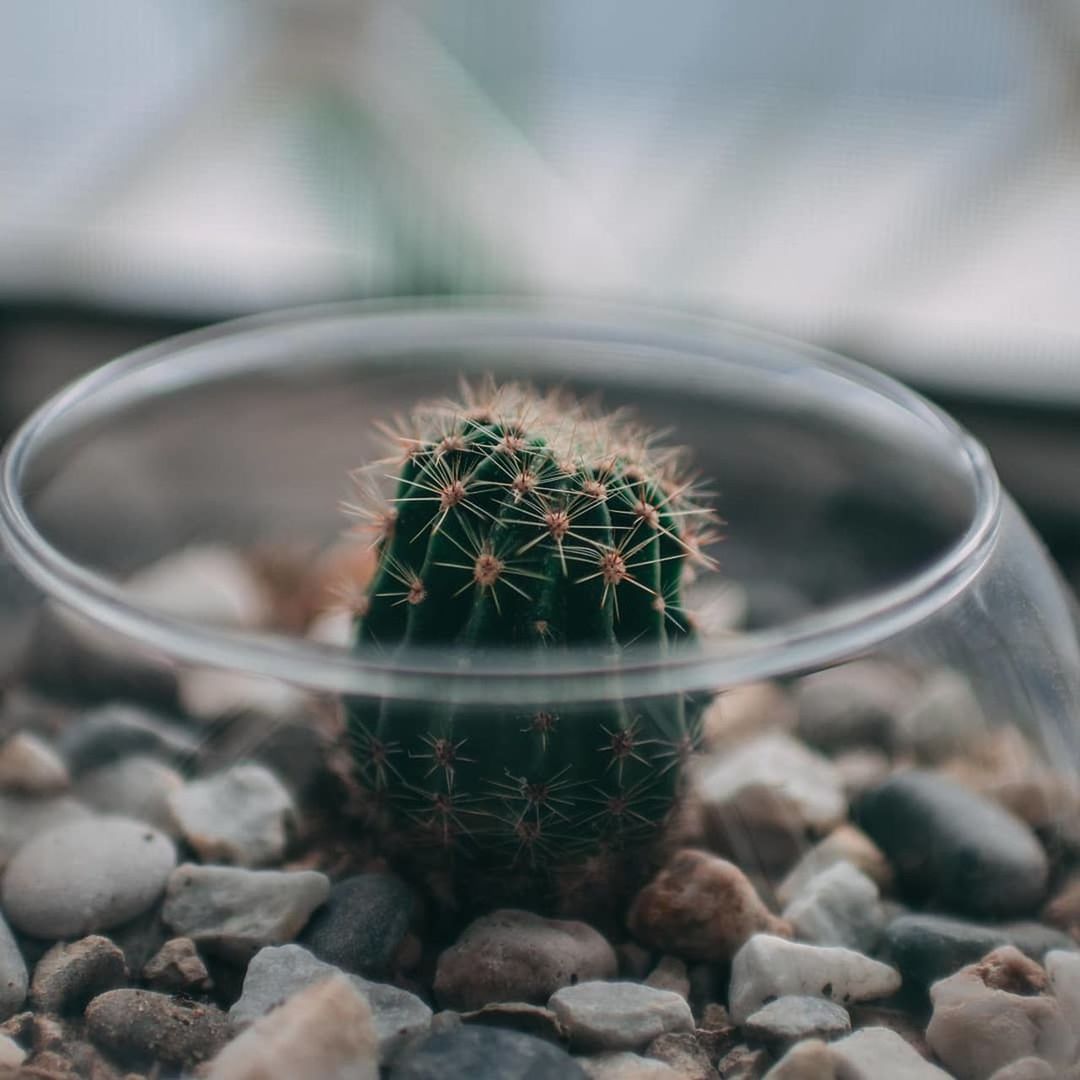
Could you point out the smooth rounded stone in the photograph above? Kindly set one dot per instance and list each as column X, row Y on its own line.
column 12, row 1055
column 69, row 975
column 670, row 974
column 483, row 1053
column 30, row 766
column 744, row 712
column 808, row 1059
column 139, row 1028
column 208, row 694
column 24, row 817
column 624, row 1065
column 844, row 844
column 878, row 1053
column 953, row 848
column 795, row 1017
column 176, row 967
column 325, row 1031
column 1063, row 970
column 941, row 719
column 768, row 967
column 762, row 798
column 681, row 1051
column 513, row 955
column 700, row 906
column 87, row 876
column 116, row 731
column 618, row 1015
column 235, row 912
column 840, row 906
column 519, row 1016
column 1029, row 1068
column 277, row 972
column 854, row 704
column 241, row 816
column 992, row 1013
column 362, row 924
column 137, row 787
column 13, row 974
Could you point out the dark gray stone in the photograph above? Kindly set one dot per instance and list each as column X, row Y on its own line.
column 118, row 731
column 362, row 924
column 952, row 848
column 483, row 1053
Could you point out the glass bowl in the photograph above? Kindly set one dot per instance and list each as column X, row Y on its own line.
column 887, row 660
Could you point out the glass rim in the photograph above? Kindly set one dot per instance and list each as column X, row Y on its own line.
column 816, row 639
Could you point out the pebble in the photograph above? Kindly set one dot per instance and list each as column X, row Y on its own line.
column 681, row 1051
column 13, row 974
column 928, row 947
column 177, row 967
column 795, row 1017
column 942, row 719
column 242, row 816
column 518, row 1016
column 116, row 731
column 235, row 912
column 878, row 1053
column 140, row 1028
column 69, row 975
column 623, row 1065
column 86, row 876
column 1063, row 910
column 840, row 906
column 513, row 955
column 325, row 1031
column 953, row 847
column 809, row 1058
column 745, row 712
column 277, row 972
column 670, row 974
column 208, row 694
column 483, row 1053
column 991, row 1013
column 137, row 787
column 361, row 926
column 763, row 797
column 618, row 1015
column 1029, row 1068
column 853, row 705
column 22, row 818
column 744, row 1063
column 769, row 967
column 844, row 844
column 702, row 907
column 1063, row 970
column 30, row 766
column 12, row 1055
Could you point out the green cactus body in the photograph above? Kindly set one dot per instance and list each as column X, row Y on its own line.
column 524, row 521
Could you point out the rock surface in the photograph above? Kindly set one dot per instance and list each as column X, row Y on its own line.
column 236, row 912
column 876, row 1053
column 12, row 1055
column 793, row 1018
column 177, row 967
column 769, row 967
column 24, row 817
column 137, row 787
column 844, row 844
column 276, row 973
column 840, row 906
column 513, row 955
column 13, row 975
column 362, row 924
column 702, row 907
column 624, row 1065
column 140, row 1027
column 242, row 816
column 117, row 731
column 69, row 975
column 30, row 766
column 86, row 876
column 618, row 1015
column 325, row 1031
column 954, row 848
column 482, row 1053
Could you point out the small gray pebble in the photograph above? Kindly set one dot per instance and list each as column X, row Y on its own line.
column 791, row 1018
column 22, row 817
column 177, row 967
column 13, row 974
column 618, row 1015
column 69, row 975
column 88, row 876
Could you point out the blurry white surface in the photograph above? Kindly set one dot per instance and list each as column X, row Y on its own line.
column 898, row 180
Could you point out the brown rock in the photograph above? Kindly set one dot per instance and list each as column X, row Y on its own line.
column 68, row 976
column 716, row 1034
column 177, row 966
column 742, row 1063
column 1029, row 1068
column 513, row 955
column 684, row 1054
column 139, row 1027
column 809, row 1058
column 702, row 907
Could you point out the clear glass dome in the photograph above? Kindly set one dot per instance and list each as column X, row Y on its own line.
column 891, row 658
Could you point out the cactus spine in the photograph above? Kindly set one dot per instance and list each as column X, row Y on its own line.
column 527, row 521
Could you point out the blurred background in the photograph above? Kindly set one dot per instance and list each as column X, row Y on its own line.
column 900, row 182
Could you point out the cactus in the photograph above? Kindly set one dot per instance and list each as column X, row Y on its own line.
column 528, row 521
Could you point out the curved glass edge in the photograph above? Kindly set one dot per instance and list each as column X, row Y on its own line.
column 816, row 640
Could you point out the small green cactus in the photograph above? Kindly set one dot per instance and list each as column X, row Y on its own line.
column 528, row 521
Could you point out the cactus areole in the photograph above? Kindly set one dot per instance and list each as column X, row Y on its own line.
column 530, row 522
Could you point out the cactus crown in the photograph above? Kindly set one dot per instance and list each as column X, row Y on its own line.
column 527, row 520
